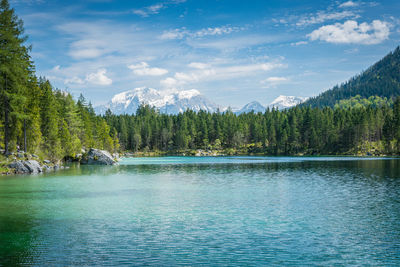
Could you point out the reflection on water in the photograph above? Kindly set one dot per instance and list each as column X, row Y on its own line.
column 228, row 211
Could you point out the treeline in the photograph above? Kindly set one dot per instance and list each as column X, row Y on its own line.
column 34, row 116
column 300, row 130
column 382, row 79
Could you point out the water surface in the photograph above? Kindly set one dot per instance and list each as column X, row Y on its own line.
column 216, row 211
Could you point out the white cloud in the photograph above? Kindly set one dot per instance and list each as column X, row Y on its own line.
column 74, row 80
column 217, row 73
column 98, row 78
column 299, row 43
column 348, row 4
column 150, row 10
column 143, row 69
column 351, row 32
column 199, row 65
column 210, row 31
column 89, row 40
column 322, row 16
column 169, row 82
column 275, row 79
column 155, row 9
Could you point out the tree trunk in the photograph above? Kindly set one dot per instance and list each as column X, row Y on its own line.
column 25, row 149
column 6, row 123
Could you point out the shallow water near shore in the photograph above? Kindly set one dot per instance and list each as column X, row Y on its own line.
column 171, row 211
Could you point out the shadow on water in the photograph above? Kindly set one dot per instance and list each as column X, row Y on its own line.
column 18, row 237
column 380, row 169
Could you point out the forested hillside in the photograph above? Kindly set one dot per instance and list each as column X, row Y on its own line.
column 360, row 130
column 382, row 79
column 34, row 116
column 40, row 119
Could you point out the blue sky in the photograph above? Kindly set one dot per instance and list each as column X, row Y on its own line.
column 231, row 51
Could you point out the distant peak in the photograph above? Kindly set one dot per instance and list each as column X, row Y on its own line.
column 167, row 101
column 284, row 102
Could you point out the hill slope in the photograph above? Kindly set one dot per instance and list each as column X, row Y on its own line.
column 382, row 79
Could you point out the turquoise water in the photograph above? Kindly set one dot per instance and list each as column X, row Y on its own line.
column 206, row 211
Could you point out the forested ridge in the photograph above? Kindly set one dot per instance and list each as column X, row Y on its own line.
column 34, row 116
column 381, row 79
column 363, row 129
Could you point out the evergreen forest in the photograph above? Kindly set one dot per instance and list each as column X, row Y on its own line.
column 35, row 117
column 364, row 128
column 360, row 117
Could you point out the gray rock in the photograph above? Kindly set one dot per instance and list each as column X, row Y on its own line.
column 46, row 161
column 46, row 168
column 98, row 157
column 20, row 155
column 28, row 166
column 19, row 167
column 33, row 166
column 35, row 156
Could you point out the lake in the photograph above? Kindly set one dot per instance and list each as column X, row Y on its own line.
column 298, row 211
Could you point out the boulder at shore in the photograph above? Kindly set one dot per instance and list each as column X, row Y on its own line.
column 28, row 166
column 98, row 157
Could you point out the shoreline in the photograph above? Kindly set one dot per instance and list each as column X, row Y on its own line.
column 7, row 171
column 225, row 153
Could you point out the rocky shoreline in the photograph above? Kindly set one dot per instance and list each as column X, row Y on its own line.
column 23, row 163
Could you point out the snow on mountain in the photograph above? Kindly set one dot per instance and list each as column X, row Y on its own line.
column 284, row 102
column 281, row 102
column 171, row 102
column 252, row 106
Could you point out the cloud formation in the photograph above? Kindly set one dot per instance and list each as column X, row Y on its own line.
column 95, row 78
column 155, row 9
column 348, row 4
column 99, row 78
column 210, row 31
column 199, row 65
column 274, row 81
column 350, row 32
column 143, row 69
column 323, row 16
column 206, row 72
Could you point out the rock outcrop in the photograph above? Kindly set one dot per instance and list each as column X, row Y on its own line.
column 19, row 167
column 33, row 166
column 98, row 157
column 28, row 166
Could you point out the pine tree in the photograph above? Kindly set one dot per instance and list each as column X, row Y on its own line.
column 15, row 69
column 49, row 121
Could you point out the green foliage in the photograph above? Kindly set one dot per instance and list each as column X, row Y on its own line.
column 33, row 115
column 301, row 130
column 359, row 102
column 382, row 80
column 15, row 72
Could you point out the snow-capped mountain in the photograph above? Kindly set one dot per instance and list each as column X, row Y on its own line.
column 281, row 102
column 171, row 102
column 252, row 106
column 284, row 102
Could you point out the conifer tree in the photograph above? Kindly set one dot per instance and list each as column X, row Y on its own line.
column 49, row 122
column 15, row 68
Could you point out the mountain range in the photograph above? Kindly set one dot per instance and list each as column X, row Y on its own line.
column 174, row 102
column 171, row 102
column 381, row 79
